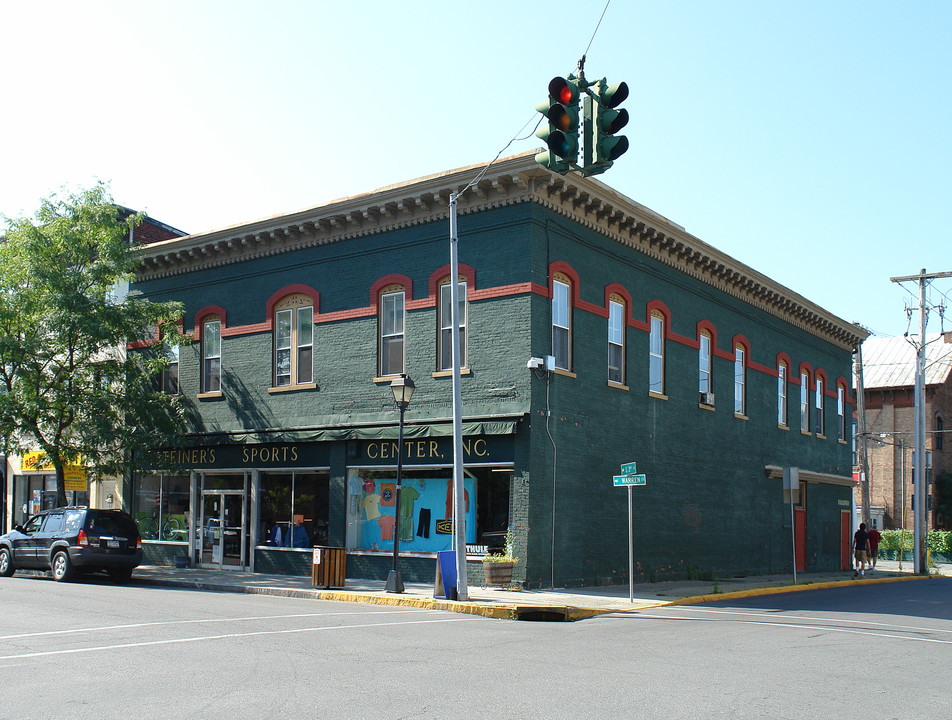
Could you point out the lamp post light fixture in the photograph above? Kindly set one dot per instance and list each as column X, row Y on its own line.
column 402, row 388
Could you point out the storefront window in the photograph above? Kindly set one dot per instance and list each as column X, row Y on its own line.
column 424, row 519
column 294, row 509
column 160, row 507
column 35, row 492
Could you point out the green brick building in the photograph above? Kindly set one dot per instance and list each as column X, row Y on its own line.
column 645, row 344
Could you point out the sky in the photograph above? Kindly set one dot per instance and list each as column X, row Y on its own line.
column 808, row 140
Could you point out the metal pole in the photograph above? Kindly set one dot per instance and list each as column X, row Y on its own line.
column 793, row 537
column 394, row 579
column 919, row 428
column 631, row 551
column 459, row 508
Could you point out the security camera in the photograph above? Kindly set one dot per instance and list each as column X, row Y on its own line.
column 534, row 363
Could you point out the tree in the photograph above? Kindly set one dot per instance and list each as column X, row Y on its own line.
column 68, row 387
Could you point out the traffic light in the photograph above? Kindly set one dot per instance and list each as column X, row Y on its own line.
column 606, row 145
column 560, row 133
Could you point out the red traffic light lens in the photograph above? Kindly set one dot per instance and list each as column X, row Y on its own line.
column 563, row 91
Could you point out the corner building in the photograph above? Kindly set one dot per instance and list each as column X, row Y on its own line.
column 655, row 349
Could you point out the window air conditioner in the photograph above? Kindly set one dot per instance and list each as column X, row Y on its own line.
column 706, row 398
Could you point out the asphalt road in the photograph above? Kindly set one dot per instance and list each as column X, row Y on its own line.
column 94, row 650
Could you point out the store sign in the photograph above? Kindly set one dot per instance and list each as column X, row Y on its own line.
column 271, row 455
column 74, row 474
column 435, row 450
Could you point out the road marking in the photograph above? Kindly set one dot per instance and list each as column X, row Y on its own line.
column 228, row 636
column 797, row 626
column 251, row 618
column 830, row 620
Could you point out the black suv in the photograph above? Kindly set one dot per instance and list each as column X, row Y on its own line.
column 67, row 540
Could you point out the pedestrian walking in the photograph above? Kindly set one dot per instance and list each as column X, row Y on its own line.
column 874, row 538
column 860, row 549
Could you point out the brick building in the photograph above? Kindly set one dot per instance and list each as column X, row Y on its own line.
column 889, row 372
column 657, row 349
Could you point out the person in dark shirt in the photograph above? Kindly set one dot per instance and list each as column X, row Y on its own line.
column 861, row 549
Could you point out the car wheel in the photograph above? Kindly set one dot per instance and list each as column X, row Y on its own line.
column 6, row 563
column 62, row 567
column 121, row 576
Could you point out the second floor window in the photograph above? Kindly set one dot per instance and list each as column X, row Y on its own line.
column 561, row 324
column 704, row 387
column 446, row 325
column 294, row 342
column 656, row 355
column 616, row 342
column 740, row 382
column 841, row 413
column 819, row 407
column 782, row 395
column 170, row 384
column 211, row 355
column 391, row 332
column 804, row 401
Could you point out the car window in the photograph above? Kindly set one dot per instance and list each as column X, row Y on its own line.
column 34, row 524
column 54, row 523
column 112, row 524
column 74, row 520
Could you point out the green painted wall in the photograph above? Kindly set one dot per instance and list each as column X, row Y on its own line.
column 708, row 507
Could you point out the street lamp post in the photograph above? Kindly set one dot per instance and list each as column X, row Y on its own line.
column 402, row 388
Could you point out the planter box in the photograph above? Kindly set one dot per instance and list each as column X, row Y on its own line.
column 498, row 573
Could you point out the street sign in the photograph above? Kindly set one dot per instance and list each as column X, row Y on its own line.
column 623, row 480
column 628, row 469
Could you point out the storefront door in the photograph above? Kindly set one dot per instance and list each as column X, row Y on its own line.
column 223, row 529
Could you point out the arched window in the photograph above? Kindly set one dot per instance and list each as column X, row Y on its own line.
column 840, row 413
column 656, row 354
column 939, row 429
column 562, row 321
column 820, row 424
column 294, row 341
column 211, row 354
column 705, row 387
column 782, row 371
column 391, row 323
column 445, row 351
column 740, row 379
column 616, row 339
column 804, row 400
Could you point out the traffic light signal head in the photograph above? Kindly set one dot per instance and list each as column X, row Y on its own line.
column 560, row 129
column 606, row 145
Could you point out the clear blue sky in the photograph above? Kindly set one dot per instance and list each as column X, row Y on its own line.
column 809, row 140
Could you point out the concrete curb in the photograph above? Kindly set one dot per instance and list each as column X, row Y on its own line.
column 753, row 592
column 505, row 611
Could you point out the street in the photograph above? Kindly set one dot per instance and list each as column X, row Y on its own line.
column 91, row 650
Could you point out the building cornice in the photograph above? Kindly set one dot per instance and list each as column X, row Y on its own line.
column 509, row 181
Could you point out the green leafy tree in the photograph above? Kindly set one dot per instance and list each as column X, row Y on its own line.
column 68, row 386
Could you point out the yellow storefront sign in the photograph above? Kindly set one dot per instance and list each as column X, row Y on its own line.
column 74, row 474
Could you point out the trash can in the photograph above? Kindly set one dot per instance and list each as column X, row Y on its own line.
column 329, row 567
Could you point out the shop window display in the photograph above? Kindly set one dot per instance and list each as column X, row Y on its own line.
column 293, row 509
column 424, row 518
column 160, row 507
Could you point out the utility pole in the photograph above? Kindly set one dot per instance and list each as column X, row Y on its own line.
column 919, row 428
column 864, row 478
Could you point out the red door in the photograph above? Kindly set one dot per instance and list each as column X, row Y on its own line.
column 800, row 538
column 846, row 561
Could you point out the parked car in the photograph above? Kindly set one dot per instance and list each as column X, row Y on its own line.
column 68, row 540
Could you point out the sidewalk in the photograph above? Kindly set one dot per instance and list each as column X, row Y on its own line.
column 556, row 605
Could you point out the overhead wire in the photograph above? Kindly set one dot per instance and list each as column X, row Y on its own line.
column 516, row 137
